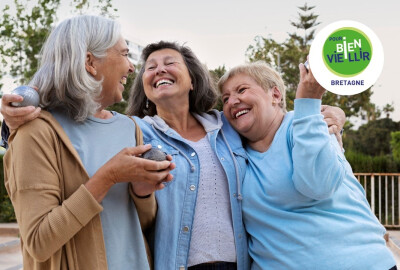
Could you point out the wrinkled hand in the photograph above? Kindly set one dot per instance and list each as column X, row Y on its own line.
column 146, row 188
column 17, row 116
column 308, row 86
column 128, row 166
column 333, row 116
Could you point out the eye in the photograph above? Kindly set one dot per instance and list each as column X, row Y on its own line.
column 169, row 63
column 150, row 68
column 241, row 90
column 225, row 100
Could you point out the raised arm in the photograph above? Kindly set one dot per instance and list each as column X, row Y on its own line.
column 317, row 165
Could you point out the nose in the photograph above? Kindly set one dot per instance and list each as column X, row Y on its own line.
column 233, row 100
column 131, row 67
column 160, row 69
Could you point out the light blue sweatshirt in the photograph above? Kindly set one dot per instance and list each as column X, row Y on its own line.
column 302, row 206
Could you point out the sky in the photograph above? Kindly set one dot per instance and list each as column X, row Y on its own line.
column 220, row 31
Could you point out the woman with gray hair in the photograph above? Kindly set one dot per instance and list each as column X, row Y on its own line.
column 71, row 196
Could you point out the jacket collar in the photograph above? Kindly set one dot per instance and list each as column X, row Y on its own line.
column 210, row 121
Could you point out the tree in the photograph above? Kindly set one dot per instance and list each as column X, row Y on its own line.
column 372, row 138
column 22, row 34
column 387, row 109
column 395, row 145
column 22, row 37
column 286, row 56
column 216, row 74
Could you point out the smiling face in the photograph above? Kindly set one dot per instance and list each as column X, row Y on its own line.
column 114, row 70
column 166, row 79
column 248, row 107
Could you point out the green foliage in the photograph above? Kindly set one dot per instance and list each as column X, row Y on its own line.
column 216, row 74
column 102, row 7
column 286, row 56
column 362, row 163
column 6, row 209
column 395, row 145
column 372, row 138
column 23, row 33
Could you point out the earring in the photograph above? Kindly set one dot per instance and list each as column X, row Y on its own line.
column 147, row 103
column 273, row 103
column 95, row 72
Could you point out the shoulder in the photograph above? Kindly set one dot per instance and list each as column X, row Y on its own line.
column 41, row 132
column 41, row 126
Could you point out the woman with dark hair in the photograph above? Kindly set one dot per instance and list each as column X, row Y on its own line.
column 199, row 222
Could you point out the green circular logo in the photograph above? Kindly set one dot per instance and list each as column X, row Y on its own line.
column 347, row 52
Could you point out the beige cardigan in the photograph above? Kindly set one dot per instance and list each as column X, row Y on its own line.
column 58, row 217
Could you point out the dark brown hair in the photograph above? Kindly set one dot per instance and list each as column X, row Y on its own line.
column 201, row 99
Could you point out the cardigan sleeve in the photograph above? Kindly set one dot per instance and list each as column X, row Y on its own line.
column 146, row 209
column 33, row 178
column 318, row 168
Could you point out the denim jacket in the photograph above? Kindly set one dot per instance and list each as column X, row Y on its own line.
column 176, row 202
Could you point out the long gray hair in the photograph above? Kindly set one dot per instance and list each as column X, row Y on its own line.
column 62, row 79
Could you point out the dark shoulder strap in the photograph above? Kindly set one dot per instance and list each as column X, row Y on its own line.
column 138, row 133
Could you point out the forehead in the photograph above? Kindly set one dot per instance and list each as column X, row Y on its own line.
column 164, row 54
column 120, row 45
column 237, row 80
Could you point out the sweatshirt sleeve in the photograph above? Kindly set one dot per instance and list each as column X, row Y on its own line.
column 34, row 180
column 318, row 168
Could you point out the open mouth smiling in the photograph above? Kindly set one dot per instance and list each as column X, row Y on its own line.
column 123, row 80
column 240, row 113
column 163, row 82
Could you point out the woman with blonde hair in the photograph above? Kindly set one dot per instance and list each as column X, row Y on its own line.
column 302, row 206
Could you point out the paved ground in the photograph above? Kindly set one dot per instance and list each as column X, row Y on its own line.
column 10, row 252
column 11, row 258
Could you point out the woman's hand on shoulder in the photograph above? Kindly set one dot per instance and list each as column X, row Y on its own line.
column 333, row 116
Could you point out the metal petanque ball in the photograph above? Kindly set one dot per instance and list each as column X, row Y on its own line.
column 30, row 95
column 155, row 154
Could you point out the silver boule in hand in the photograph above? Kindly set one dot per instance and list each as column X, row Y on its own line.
column 307, row 65
column 30, row 95
column 155, row 154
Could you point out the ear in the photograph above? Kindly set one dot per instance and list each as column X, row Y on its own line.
column 90, row 64
column 276, row 94
column 191, row 86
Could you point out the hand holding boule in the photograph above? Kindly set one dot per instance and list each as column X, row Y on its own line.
column 30, row 95
column 155, row 154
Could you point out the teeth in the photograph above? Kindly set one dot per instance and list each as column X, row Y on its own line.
column 241, row 112
column 162, row 82
column 123, row 80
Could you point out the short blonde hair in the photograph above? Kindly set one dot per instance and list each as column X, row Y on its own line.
column 263, row 74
